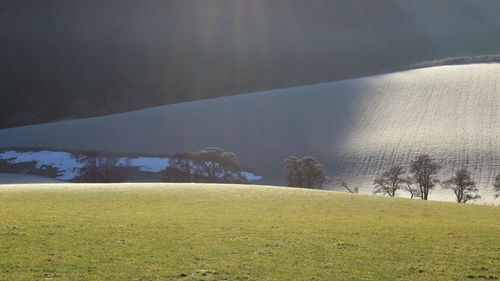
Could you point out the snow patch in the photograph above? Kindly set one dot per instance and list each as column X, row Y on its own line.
column 64, row 162
column 146, row 164
column 251, row 176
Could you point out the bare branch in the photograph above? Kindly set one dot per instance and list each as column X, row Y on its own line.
column 347, row 187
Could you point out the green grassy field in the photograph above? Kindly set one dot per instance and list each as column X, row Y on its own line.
column 224, row 232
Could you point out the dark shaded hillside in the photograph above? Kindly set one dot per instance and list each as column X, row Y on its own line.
column 65, row 59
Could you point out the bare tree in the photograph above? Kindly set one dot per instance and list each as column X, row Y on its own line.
column 181, row 168
column 463, row 186
column 411, row 187
column 101, row 167
column 214, row 165
column 347, row 186
column 304, row 172
column 390, row 181
column 496, row 186
column 424, row 171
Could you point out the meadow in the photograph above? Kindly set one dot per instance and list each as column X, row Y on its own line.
column 231, row 232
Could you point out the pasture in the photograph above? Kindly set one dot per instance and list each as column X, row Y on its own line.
column 230, row 232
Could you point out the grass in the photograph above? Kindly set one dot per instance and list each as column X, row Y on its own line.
column 224, row 232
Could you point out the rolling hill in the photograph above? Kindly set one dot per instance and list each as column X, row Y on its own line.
column 238, row 232
column 355, row 128
column 63, row 59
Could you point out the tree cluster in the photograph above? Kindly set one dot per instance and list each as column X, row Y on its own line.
column 214, row 165
column 210, row 165
column 422, row 178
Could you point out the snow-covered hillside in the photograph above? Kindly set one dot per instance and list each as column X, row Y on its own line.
column 355, row 128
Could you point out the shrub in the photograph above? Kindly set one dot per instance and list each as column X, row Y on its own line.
column 304, row 172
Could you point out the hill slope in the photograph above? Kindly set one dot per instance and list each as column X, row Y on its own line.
column 354, row 128
column 63, row 59
column 230, row 232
